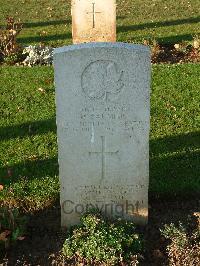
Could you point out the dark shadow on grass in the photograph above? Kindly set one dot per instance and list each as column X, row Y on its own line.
column 47, row 38
column 33, row 168
column 169, row 40
column 28, row 129
column 30, row 169
column 149, row 25
column 46, row 23
column 28, row 25
column 175, row 143
column 174, row 162
column 121, row 17
column 175, row 167
column 175, row 39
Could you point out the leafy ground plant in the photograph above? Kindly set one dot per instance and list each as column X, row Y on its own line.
column 38, row 55
column 12, row 227
column 100, row 242
column 184, row 247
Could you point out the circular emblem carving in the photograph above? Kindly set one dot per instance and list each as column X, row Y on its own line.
column 102, row 79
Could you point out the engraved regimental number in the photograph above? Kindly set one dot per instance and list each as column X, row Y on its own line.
column 94, row 12
column 103, row 154
column 102, row 79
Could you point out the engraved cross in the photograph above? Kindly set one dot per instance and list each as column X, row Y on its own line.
column 103, row 153
column 94, row 14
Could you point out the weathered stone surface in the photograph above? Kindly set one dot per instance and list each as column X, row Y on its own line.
column 103, row 113
column 93, row 21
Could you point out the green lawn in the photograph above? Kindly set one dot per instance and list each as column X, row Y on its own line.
column 28, row 135
column 49, row 21
column 175, row 131
column 27, row 113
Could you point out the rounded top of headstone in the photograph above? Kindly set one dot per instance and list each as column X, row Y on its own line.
column 75, row 47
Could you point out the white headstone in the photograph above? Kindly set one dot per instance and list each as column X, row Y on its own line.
column 103, row 113
column 93, row 21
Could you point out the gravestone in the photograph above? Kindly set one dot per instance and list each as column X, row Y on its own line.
column 93, row 21
column 103, row 113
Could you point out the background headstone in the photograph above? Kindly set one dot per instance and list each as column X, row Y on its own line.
column 93, row 21
column 103, row 113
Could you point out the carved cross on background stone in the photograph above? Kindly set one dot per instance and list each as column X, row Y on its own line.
column 94, row 14
column 93, row 21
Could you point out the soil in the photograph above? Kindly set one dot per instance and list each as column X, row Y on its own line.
column 168, row 54
column 45, row 238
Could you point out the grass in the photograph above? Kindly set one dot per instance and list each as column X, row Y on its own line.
column 175, row 131
column 50, row 21
column 28, row 135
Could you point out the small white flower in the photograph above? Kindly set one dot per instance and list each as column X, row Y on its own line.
column 177, row 46
column 38, row 55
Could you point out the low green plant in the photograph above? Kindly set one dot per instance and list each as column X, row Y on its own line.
column 184, row 247
column 14, row 58
column 177, row 234
column 99, row 241
column 12, row 226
